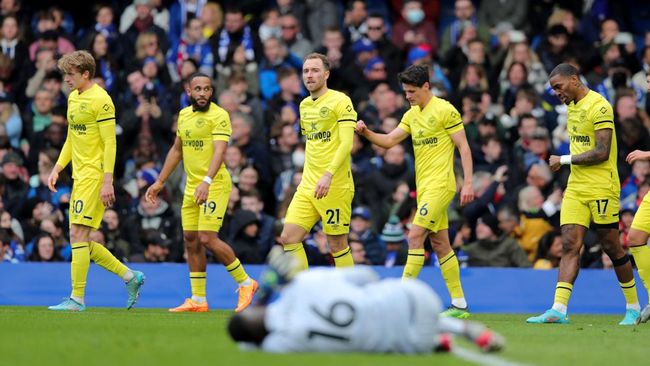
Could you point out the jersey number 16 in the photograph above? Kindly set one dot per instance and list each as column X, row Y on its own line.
column 341, row 315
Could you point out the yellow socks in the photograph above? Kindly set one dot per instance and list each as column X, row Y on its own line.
column 562, row 294
column 298, row 252
column 237, row 272
column 343, row 258
column 103, row 257
column 451, row 274
column 631, row 298
column 414, row 263
column 79, row 269
column 197, row 282
column 642, row 259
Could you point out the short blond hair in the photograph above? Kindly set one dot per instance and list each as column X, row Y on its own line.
column 320, row 56
column 80, row 61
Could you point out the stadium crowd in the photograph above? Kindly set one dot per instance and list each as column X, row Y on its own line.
column 490, row 58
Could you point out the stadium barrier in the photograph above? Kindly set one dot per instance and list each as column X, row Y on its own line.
column 488, row 290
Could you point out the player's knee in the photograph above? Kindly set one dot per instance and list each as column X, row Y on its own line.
column 416, row 239
column 191, row 243
column 79, row 233
column 189, row 237
column 205, row 238
column 285, row 237
column 613, row 250
column 569, row 246
column 337, row 242
column 637, row 238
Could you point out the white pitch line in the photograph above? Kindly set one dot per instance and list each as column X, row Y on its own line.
column 482, row 358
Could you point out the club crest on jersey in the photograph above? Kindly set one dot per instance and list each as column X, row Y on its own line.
column 324, row 112
column 583, row 115
column 200, row 123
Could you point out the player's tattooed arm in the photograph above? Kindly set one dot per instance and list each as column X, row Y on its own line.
column 598, row 154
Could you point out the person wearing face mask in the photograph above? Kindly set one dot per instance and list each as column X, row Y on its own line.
column 413, row 29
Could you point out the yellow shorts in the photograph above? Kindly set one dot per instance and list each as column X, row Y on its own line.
column 208, row 216
column 432, row 209
column 642, row 217
column 599, row 209
column 86, row 207
column 334, row 210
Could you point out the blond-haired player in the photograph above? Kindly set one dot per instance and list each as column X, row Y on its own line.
column 91, row 147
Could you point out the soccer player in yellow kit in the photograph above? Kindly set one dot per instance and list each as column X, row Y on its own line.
column 327, row 121
column 592, row 193
column 640, row 230
column 202, row 136
column 436, row 129
column 91, row 147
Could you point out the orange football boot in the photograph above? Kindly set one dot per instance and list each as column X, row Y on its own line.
column 191, row 306
column 246, row 294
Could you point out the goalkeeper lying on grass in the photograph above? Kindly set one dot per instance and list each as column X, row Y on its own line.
column 348, row 310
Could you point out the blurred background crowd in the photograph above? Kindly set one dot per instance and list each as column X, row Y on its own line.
column 490, row 58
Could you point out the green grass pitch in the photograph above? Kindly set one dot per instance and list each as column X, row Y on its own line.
column 103, row 336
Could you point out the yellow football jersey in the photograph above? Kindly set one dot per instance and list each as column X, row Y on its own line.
column 319, row 122
column 197, row 130
column 87, row 112
column 431, row 129
column 591, row 113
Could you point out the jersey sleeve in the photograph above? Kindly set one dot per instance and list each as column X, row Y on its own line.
column 405, row 123
column 602, row 115
column 105, row 109
column 345, row 112
column 301, row 109
column 453, row 120
column 106, row 123
column 66, row 152
column 221, row 127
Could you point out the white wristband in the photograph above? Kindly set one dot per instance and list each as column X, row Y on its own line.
column 565, row 160
column 207, row 180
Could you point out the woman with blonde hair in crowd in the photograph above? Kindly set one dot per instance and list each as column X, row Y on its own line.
column 147, row 45
column 212, row 19
column 563, row 17
column 522, row 53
